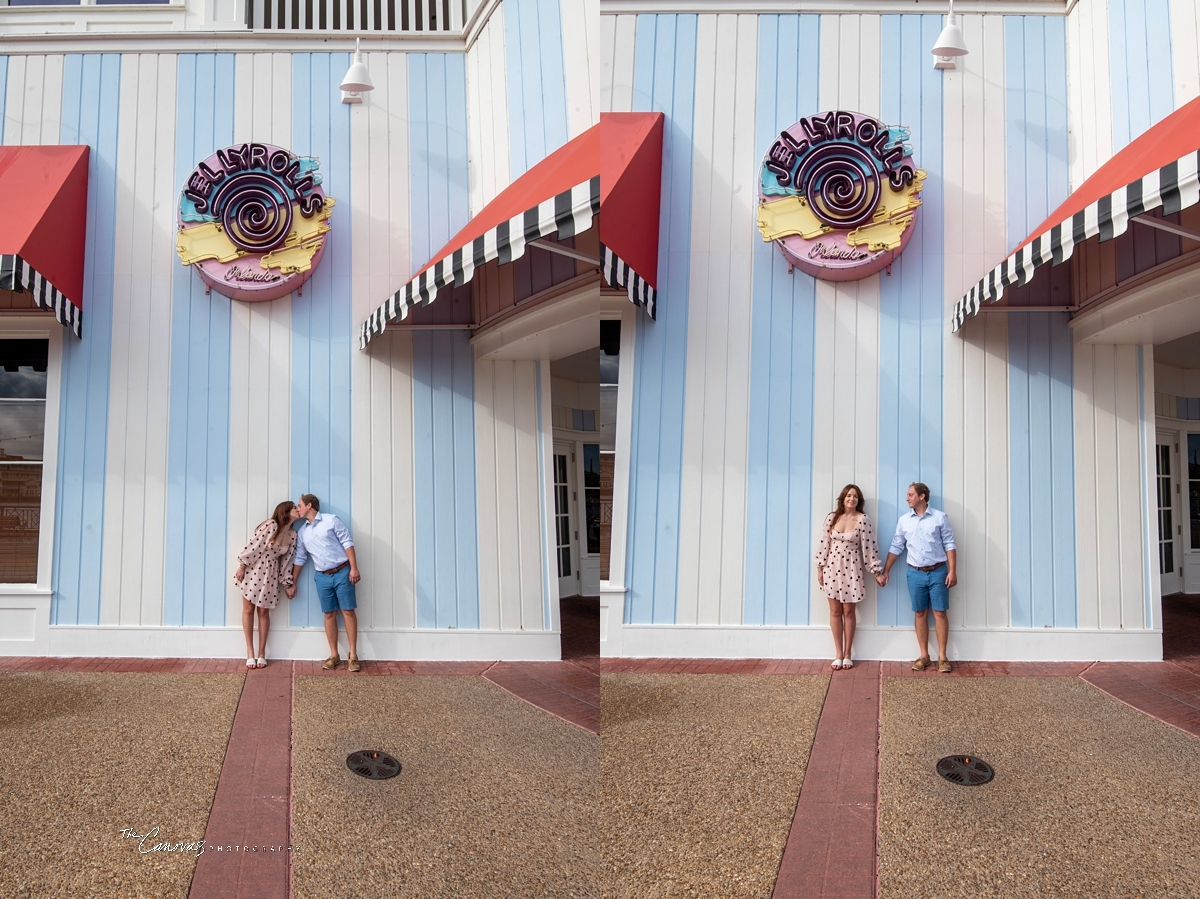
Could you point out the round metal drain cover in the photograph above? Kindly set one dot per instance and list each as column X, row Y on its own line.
column 965, row 770
column 373, row 764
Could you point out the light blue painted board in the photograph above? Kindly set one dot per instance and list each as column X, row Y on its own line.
column 90, row 107
column 196, row 568
column 537, row 83
column 779, row 461
column 1041, row 438
column 447, row 566
column 1140, row 61
column 911, row 319
column 322, row 318
column 664, row 81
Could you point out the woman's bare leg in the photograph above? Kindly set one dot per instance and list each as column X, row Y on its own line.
column 835, row 623
column 248, row 626
column 264, row 627
column 849, row 620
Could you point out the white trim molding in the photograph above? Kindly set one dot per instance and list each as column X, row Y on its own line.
column 159, row 40
column 887, row 643
column 24, row 620
column 409, row 644
column 835, row 7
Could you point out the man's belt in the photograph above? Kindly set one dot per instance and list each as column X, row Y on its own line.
column 339, row 568
column 917, row 567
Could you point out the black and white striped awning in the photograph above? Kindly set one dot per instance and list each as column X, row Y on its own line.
column 620, row 276
column 1173, row 187
column 565, row 215
column 18, row 275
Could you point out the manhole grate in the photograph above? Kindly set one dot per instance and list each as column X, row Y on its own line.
column 373, row 764
column 965, row 770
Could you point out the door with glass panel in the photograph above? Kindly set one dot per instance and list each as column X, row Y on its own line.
column 566, row 520
column 1190, row 475
column 1170, row 527
column 22, row 435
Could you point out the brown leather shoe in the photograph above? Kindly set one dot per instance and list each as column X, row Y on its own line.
column 921, row 664
column 331, row 663
column 943, row 666
column 354, row 664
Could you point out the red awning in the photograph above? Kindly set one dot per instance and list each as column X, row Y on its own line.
column 1160, row 168
column 560, row 195
column 630, row 191
column 43, row 226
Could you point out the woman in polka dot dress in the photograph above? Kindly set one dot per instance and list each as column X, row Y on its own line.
column 847, row 546
column 266, row 566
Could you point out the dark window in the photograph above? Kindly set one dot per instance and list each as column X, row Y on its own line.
column 591, row 494
column 22, row 435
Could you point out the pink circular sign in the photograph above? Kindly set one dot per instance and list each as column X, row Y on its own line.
column 253, row 220
column 838, row 195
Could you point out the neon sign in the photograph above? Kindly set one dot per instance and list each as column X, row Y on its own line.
column 253, row 220
column 838, row 195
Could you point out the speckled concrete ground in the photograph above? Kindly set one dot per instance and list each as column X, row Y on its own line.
column 699, row 780
column 85, row 755
column 1091, row 798
column 495, row 798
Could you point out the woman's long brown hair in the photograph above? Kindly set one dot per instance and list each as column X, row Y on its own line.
column 841, row 506
column 282, row 516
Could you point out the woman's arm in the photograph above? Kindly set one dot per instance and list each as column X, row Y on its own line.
column 869, row 546
column 251, row 552
column 822, row 554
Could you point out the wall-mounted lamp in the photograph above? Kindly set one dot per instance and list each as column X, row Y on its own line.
column 950, row 43
column 358, row 80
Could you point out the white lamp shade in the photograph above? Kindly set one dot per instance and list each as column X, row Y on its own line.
column 358, row 79
column 951, row 41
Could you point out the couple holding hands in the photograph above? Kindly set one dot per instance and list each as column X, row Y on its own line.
column 273, row 559
column 848, row 546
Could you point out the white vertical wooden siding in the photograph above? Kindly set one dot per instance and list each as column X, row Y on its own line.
column 511, row 585
column 487, row 119
column 135, row 506
column 712, row 515
column 33, row 100
column 1185, row 50
column 976, row 385
column 382, row 377
column 1090, row 89
column 845, row 423
column 260, row 352
column 1108, row 492
column 580, row 26
column 616, row 55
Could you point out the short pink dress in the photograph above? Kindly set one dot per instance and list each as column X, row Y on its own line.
column 844, row 556
column 268, row 565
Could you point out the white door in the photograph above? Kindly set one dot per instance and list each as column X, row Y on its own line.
column 1189, row 510
column 566, row 520
column 1168, row 496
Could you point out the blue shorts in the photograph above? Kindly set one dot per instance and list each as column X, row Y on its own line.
column 928, row 588
column 335, row 591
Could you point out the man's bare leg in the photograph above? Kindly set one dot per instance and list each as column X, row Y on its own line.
column 941, row 623
column 331, row 632
column 921, row 623
column 351, row 619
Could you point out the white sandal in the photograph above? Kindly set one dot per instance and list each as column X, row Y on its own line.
column 837, row 665
column 261, row 663
column 250, row 662
column 847, row 663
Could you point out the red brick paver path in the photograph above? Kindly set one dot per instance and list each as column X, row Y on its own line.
column 563, row 689
column 830, row 851
column 1164, row 690
column 252, row 806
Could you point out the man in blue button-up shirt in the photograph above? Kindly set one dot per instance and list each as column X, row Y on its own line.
column 325, row 540
column 925, row 533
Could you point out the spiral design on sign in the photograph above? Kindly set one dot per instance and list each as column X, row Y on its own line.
column 841, row 182
column 256, row 215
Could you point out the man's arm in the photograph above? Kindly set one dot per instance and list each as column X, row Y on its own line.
column 951, row 567
column 355, row 577
column 882, row 578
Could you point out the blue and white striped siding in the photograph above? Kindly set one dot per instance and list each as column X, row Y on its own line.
column 447, row 575
column 663, row 80
column 132, row 573
column 196, row 564
column 780, row 457
column 321, row 316
column 911, row 308
column 487, row 107
column 537, row 94
column 90, row 109
column 1142, row 77
column 976, row 367
column 260, row 434
column 1042, row 470
column 845, row 402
